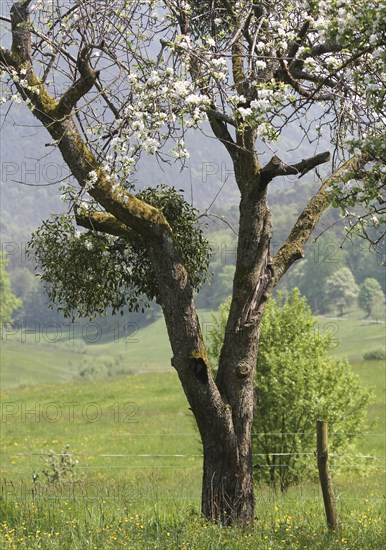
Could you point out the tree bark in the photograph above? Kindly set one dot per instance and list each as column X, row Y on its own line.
column 228, row 494
column 224, row 418
column 227, row 486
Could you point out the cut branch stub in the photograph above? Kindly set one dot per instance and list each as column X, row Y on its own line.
column 276, row 167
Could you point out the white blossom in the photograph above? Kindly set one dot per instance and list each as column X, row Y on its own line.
column 260, row 104
column 92, row 178
column 244, row 112
column 182, row 87
column 179, row 151
column 192, row 99
column 218, row 62
column 154, row 79
column 260, row 64
column 150, row 145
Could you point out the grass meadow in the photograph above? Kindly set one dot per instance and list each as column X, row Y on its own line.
column 119, row 407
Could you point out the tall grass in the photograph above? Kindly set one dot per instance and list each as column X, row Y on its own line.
column 294, row 520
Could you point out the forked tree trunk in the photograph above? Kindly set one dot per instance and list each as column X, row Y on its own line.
column 227, row 490
column 223, row 408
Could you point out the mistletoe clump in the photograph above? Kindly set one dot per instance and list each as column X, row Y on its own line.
column 88, row 272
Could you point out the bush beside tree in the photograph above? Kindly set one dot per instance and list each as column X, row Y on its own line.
column 297, row 383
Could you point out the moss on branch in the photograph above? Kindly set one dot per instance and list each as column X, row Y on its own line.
column 293, row 247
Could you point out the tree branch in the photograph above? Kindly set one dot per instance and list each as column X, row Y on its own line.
column 240, row 29
column 276, row 167
column 104, row 223
column 289, row 79
column 238, row 68
column 136, row 214
column 293, row 247
column 327, row 47
column 222, row 134
column 298, row 74
column 6, row 59
column 294, row 47
column 80, row 86
column 21, row 35
column 222, row 117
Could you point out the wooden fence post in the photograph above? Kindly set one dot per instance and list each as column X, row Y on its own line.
column 324, row 474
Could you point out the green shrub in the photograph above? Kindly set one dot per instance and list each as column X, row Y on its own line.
column 375, row 354
column 297, row 383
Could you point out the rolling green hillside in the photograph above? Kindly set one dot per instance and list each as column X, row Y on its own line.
column 141, row 351
column 135, row 349
column 49, row 357
column 131, row 350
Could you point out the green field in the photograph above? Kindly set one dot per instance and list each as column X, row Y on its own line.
column 68, row 353
column 32, row 358
column 119, row 496
column 25, row 361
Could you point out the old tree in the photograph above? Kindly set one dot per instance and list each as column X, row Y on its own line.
column 113, row 80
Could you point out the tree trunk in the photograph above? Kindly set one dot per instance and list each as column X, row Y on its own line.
column 224, row 418
column 227, row 487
